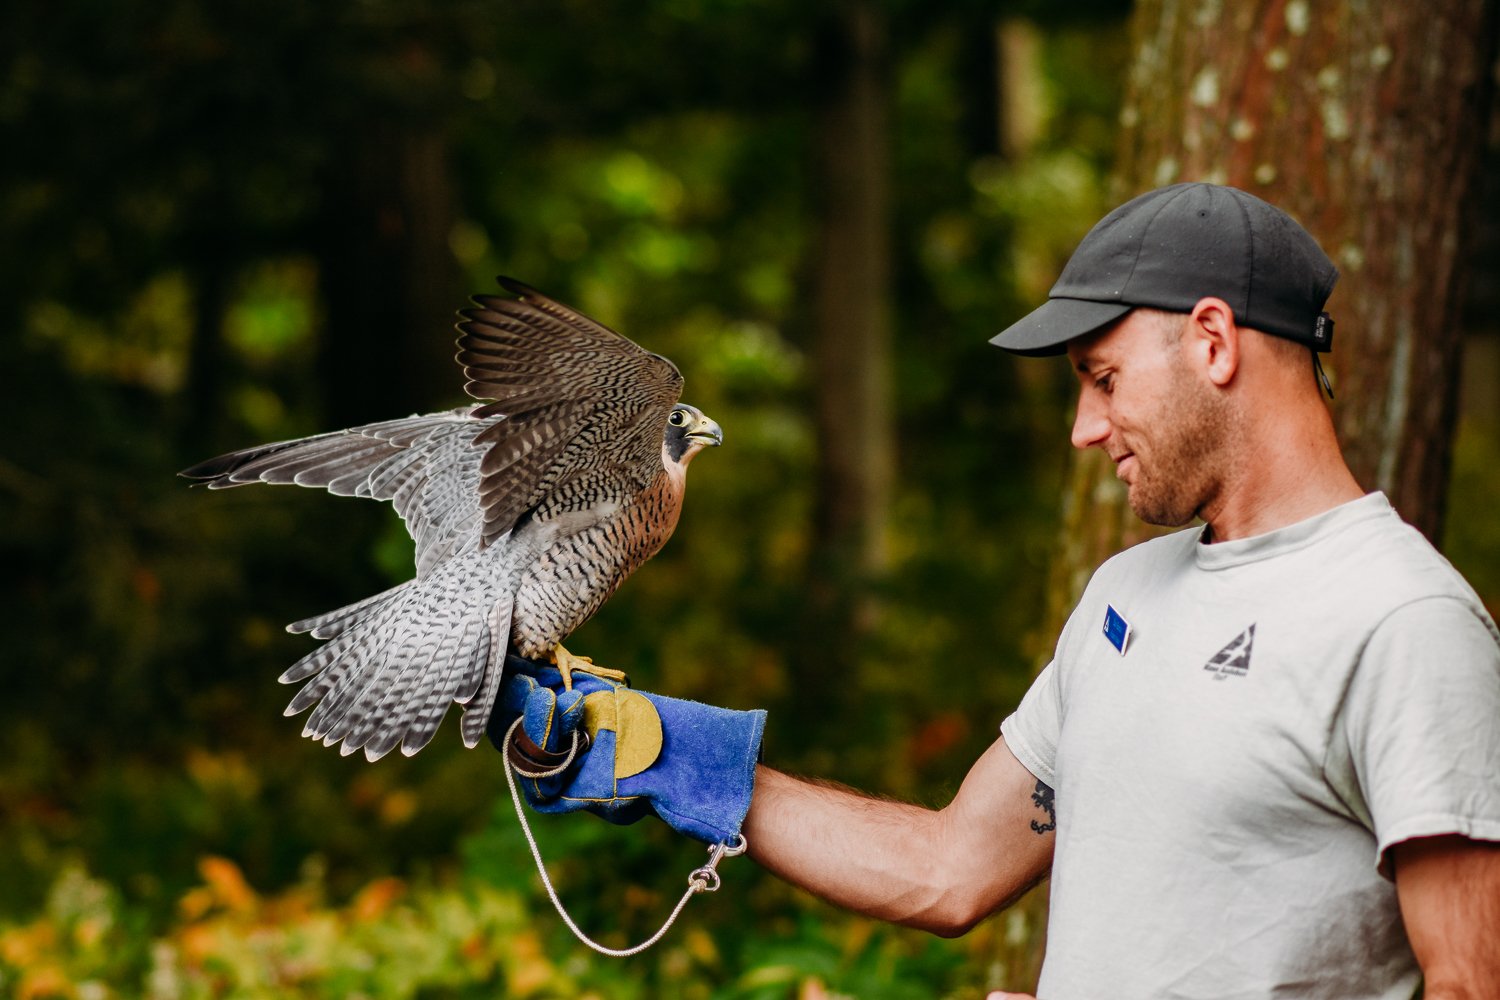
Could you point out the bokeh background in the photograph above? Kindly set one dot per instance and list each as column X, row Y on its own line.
column 238, row 222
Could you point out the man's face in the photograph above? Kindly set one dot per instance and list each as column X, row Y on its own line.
column 1163, row 424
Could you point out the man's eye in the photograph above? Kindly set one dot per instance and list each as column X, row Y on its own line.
column 1104, row 384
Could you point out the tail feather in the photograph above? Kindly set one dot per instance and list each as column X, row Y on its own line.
column 314, row 663
column 395, row 662
column 379, row 732
column 409, row 659
column 328, row 689
column 388, row 724
column 474, row 653
column 477, row 710
column 323, row 626
column 472, row 650
column 338, row 689
column 354, row 704
column 326, row 692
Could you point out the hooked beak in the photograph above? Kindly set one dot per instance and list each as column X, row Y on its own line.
column 705, row 432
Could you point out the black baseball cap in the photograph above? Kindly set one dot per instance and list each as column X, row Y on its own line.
column 1171, row 247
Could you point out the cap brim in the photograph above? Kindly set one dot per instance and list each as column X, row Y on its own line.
column 1047, row 329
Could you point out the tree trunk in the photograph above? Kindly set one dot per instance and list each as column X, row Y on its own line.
column 852, row 354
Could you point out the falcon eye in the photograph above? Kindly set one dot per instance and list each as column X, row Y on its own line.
column 677, row 418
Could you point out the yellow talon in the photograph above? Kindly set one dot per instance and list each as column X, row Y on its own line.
column 567, row 662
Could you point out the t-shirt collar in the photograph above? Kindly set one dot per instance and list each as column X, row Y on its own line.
column 1223, row 555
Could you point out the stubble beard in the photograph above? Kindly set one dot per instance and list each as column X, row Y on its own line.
column 1181, row 473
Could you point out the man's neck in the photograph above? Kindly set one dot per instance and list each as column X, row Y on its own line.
column 1290, row 474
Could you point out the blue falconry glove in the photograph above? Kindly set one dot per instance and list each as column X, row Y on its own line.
column 690, row 764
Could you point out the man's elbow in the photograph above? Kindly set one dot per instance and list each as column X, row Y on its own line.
column 964, row 887
column 953, row 910
column 953, row 925
column 949, row 921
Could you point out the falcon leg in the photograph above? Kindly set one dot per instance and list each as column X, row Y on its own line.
column 566, row 663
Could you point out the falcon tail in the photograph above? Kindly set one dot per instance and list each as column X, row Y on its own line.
column 395, row 662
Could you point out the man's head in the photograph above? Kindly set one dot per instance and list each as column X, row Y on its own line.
column 1187, row 314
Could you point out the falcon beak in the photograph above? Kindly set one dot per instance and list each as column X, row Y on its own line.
column 705, row 432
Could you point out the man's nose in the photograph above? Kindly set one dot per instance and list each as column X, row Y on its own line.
column 1091, row 425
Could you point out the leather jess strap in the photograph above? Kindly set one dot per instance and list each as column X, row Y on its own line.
column 525, row 752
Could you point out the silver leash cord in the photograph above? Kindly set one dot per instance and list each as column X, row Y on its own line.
column 702, row 879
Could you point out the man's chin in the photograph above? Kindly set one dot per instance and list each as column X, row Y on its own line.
column 1156, row 512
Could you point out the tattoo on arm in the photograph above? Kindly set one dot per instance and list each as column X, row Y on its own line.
column 1042, row 797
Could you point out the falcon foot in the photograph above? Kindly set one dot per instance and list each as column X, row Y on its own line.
column 567, row 663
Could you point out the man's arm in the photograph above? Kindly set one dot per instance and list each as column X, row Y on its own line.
column 1449, row 888
column 941, row 871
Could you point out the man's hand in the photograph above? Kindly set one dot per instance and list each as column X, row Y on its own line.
column 1449, row 888
column 940, row 871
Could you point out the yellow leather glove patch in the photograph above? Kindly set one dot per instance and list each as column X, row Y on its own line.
column 633, row 720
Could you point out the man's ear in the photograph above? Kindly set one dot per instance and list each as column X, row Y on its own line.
column 1214, row 340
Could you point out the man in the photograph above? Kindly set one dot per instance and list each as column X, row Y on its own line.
column 1274, row 742
column 1265, row 758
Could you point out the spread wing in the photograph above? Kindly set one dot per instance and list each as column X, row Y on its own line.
column 584, row 409
column 427, row 466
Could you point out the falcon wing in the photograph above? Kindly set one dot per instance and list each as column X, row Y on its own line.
column 427, row 466
column 584, row 409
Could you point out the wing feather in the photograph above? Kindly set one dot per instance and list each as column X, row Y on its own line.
column 554, row 376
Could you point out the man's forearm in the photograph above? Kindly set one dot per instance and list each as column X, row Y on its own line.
column 940, row 871
column 868, row 855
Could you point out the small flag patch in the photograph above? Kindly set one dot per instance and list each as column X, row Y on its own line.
column 1116, row 629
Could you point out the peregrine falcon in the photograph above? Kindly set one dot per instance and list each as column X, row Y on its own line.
column 527, row 512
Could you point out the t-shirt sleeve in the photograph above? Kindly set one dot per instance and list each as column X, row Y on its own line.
column 1421, row 723
column 1031, row 731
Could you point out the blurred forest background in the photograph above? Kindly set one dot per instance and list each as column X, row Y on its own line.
column 238, row 222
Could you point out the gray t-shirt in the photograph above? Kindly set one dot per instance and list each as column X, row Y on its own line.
column 1286, row 708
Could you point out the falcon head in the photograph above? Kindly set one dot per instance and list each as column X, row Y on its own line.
column 689, row 432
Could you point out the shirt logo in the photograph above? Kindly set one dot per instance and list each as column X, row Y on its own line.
column 1234, row 659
